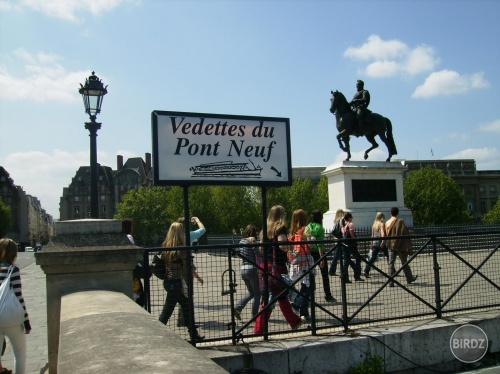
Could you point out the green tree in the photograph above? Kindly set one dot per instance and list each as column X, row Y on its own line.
column 151, row 210
column 302, row 194
column 220, row 208
column 434, row 198
column 5, row 219
column 321, row 195
column 493, row 216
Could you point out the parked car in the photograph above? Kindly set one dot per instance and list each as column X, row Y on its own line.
column 29, row 249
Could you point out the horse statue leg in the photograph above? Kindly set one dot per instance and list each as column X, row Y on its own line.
column 345, row 146
column 341, row 137
column 371, row 139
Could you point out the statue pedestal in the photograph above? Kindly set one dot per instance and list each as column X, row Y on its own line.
column 365, row 188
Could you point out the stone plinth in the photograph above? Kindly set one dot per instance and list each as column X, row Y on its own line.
column 84, row 255
column 365, row 188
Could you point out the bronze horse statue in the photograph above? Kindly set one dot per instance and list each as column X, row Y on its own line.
column 375, row 124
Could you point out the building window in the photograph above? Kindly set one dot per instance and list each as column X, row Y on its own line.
column 103, row 208
column 481, row 190
column 468, row 190
column 469, row 207
column 103, row 197
column 483, row 207
column 493, row 190
column 76, row 209
column 77, row 198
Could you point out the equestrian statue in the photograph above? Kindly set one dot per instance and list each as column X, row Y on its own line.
column 354, row 118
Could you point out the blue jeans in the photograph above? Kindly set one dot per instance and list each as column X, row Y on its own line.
column 301, row 303
column 373, row 258
column 250, row 276
column 336, row 254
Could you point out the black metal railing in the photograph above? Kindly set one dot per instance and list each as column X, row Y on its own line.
column 457, row 272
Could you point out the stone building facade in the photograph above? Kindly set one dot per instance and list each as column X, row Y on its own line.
column 112, row 187
column 30, row 222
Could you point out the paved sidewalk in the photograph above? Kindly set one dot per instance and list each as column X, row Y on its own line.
column 34, row 292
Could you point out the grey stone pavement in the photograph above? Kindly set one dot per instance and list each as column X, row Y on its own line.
column 34, row 292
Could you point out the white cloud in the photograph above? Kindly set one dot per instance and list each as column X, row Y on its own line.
column 448, row 83
column 69, row 9
column 45, row 175
column 491, row 126
column 380, row 69
column 44, row 79
column 390, row 57
column 377, row 49
column 486, row 158
column 419, row 60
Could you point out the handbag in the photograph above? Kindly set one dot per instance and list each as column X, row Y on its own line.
column 11, row 310
column 159, row 267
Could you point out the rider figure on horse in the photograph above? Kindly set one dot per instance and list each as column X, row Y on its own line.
column 360, row 102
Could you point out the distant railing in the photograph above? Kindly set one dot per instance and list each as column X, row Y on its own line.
column 458, row 270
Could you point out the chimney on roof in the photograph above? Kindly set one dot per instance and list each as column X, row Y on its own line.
column 119, row 162
column 148, row 161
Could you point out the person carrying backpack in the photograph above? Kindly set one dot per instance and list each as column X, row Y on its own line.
column 315, row 231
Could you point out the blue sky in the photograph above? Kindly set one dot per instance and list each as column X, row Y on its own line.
column 430, row 66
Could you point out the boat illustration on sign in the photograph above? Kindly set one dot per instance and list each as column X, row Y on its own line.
column 227, row 169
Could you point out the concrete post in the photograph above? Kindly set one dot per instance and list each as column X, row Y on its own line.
column 89, row 254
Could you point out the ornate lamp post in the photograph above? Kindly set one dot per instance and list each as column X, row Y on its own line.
column 92, row 94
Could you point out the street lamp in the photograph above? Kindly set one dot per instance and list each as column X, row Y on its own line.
column 92, row 94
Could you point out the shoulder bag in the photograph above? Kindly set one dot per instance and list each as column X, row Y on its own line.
column 11, row 310
column 159, row 267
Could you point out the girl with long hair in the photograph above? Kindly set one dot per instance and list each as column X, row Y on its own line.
column 300, row 263
column 277, row 232
column 177, row 270
column 337, row 226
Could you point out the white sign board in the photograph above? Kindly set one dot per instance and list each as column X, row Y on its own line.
column 198, row 148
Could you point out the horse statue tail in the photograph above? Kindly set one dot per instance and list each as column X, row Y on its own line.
column 391, row 144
